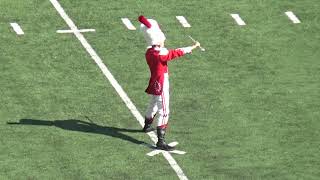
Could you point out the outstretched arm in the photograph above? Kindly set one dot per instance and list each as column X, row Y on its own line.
column 188, row 50
column 167, row 55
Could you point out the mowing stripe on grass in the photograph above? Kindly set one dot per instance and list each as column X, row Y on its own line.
column 72, row 31
column 115, row 85
column 292, row 17
column 17, row 28
column 238, row 19
column 128, row 24
column 183, row 21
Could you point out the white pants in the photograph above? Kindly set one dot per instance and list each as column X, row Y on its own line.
column 159, row 105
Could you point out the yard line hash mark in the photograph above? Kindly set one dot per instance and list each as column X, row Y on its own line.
column 17, row 28
column 128, row 24
column 238, row 19
column 72, row 31
column 157, row 151
column 115, row 85
column 183, row 21
column 292, row 17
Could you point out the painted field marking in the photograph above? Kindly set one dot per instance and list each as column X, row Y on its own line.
column 115, row 85
column 72, row 31
column 157, row 151
column 238, row 19
column 183, row 21
column 173, row 144
column 292, row 17
column 17, row 28
column 128, row 24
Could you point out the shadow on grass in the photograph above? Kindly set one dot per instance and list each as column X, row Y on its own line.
column 82, row 126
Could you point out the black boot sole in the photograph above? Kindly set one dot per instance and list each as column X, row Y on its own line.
column 165, row 148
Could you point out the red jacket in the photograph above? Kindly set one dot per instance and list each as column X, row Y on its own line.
column 157, row 59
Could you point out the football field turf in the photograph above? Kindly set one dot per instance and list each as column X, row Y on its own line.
column 246, row 108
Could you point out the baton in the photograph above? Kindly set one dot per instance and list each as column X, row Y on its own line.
column 201, row 48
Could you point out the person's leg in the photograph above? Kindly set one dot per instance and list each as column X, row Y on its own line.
column 151, row 113
column 163, row 110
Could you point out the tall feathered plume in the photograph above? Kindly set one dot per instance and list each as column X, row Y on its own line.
column 144, row 21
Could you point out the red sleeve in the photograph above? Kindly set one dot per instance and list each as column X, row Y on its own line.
column 170, row 55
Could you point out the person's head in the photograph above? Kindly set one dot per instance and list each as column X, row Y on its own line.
column 152, row 32
column 162, row 43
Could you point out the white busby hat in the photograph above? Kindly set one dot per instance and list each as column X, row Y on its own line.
column 151, row 31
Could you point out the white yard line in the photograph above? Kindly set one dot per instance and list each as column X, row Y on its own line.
column 17, row 28
column 292, row 17
column 173, row 144
column 128, row 24
column 72, row 31
column 157, row 151
column 183, row 21
column 115, row 85
column 238, row 19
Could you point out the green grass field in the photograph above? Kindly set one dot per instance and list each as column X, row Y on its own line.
column 247, row 108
